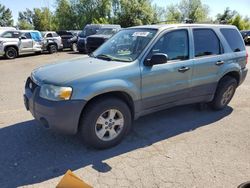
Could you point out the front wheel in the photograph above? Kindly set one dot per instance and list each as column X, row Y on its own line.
column 11, row 53
column 52, row 49
column 105, row 123
column 224, row 93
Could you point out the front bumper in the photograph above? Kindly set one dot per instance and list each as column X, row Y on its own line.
column 81, row 46
column 60, row 116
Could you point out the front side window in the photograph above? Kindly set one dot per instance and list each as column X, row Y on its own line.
column 27, row 35
column 126, row 45
column 206, row 42
column 49, row 35
column 174, row 44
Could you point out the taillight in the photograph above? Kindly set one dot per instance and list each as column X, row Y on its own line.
column 247, row 58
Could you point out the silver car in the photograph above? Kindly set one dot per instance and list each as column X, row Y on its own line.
column 13, row 43
column 53, row 36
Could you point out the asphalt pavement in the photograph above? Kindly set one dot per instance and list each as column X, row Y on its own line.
column 178, row 147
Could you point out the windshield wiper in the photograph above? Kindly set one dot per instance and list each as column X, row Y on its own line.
column 109, row 58
column 104, row 57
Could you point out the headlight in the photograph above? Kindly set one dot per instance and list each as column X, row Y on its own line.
column 55, row 93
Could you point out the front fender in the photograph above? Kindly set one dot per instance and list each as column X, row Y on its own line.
column 106, row 86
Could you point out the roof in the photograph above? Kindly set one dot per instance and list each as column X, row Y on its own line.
column 168, row 26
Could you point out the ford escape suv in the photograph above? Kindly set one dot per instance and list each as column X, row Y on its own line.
column 138, row 71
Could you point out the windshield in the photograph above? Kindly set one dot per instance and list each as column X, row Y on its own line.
column 106, row 31
column 126, row 45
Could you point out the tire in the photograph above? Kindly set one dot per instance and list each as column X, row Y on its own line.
column 96, row 126
column 224, row 92
column 52, row 49
column 38, row 53
column 11, row 53
column 74, row 47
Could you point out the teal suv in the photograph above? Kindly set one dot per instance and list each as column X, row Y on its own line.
column 138, row 71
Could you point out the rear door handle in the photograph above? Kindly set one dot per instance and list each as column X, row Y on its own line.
column 183, row 69
column 219, row 63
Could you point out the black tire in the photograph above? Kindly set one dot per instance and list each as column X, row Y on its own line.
column 74, row 47
column 11, row 53
column 81, row 51
column 226, row 83
column 38, row 53
column 90, row 116
column 52, row 48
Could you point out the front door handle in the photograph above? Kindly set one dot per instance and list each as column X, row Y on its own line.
column 219, row 63
column 183, row 69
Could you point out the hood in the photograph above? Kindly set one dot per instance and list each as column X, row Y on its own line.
column 9, row 39
column 73, row 69
column 100, row 36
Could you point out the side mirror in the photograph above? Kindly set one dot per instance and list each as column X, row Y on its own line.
column 22, row 37
column 158, row 58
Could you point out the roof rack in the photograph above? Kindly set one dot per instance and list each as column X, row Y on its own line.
column 190, row 21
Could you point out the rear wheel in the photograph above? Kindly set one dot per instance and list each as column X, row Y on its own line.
column 11, row 53
column 224, row 93
column 52, row 48
column 105, row 123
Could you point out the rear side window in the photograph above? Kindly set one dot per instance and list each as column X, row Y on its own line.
column 206, row 42
column 55, row 35
column 234, row 39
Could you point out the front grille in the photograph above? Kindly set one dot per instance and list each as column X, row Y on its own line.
column 95, row 41
column 31, row 84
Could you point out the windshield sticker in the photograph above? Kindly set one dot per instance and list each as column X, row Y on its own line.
column 140, row 34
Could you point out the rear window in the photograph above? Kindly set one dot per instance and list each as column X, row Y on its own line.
column 206, row 42
column 234, row 39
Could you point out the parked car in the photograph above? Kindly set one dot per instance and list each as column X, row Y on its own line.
column 138, row 71
column 94, row 41
column 2, row 29
column 90, row 29
column 69, row 39
column 52, row 40
column 13, row 43
column 246, row 36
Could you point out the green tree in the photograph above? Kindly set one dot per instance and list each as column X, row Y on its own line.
column 95, row 11
column 188, row 9
column 234, row 18
column 5, row 16
column 64, row 15
column 135, row 12
column 194, row 10
column 174, row 14
column 159, row 13
column 25, row 19
column 43, row 19
column 226, row 16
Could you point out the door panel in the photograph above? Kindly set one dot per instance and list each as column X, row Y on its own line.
column 162, row 84
column 26, row 45
column 209, row 61
column 169, row 82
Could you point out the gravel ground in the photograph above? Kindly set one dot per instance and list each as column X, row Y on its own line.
column 178, row 147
